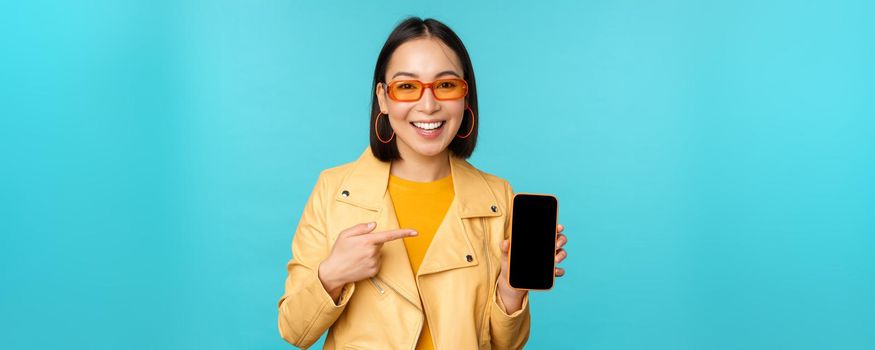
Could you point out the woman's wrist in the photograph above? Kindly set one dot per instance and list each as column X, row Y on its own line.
column 510, row 298
column 331, row 284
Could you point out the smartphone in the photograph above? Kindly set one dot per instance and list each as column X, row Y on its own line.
column 532, row 255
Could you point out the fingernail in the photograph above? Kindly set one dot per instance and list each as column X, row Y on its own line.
column 413, row 233
column 372, row 224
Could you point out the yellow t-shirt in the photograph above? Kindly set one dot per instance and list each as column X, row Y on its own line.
column 420, row 206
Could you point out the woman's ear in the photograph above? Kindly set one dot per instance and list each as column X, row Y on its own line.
column 381, row 98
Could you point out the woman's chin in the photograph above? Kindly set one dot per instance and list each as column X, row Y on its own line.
column 428, row 148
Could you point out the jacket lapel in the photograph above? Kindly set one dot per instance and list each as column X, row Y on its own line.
column 453, row 243
column 367, row 188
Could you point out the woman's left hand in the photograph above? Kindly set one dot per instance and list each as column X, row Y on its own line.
column 512, row 297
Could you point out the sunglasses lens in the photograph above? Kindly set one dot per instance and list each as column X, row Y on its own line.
column 405, row 90
column 450, row 89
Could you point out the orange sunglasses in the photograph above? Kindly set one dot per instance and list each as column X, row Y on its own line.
column 442, row 89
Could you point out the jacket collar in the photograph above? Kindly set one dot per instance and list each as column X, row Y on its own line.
column 367, row 183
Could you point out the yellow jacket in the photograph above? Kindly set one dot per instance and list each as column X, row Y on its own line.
column 457, row 279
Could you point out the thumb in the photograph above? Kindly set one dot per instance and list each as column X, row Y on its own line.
column 504, row 246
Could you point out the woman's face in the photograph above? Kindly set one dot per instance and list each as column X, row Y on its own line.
column 424, row 59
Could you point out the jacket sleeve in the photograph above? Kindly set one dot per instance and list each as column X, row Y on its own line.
column 306, row 309
column 508, row 331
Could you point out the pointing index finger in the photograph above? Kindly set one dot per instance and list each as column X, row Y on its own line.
column 386, row 236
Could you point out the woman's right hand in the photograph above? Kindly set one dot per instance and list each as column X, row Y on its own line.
column 355, row 256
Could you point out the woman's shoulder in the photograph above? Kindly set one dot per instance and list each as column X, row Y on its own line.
column 336, row 173
column 499, row 185
column 492, row 179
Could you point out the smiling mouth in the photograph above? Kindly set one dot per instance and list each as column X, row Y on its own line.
column 429, row 126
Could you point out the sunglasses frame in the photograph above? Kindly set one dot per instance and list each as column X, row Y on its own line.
column 429, row 86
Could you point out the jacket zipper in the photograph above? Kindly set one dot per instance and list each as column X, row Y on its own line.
column 486, row 248
column 382, row 291
column 488, row 258
column 377, row 285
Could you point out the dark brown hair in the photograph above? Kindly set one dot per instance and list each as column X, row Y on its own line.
column 409, row 29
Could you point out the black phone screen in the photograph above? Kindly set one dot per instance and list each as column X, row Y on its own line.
column 533, row 241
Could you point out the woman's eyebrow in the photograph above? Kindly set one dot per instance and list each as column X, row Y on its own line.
column 446, row 72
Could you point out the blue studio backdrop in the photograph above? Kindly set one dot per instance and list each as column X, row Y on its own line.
column 713, row 161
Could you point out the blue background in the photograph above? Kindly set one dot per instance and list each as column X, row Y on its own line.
column 713, row 160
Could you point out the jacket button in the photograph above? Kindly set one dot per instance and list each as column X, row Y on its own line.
column 469, row 258
column 345, row 193
column 494, row 208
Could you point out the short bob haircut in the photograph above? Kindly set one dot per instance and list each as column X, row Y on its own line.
column 415, row 28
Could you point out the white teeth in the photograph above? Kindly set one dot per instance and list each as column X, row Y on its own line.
column 428, row 126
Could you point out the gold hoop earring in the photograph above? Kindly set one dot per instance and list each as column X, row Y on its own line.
column 473, row 120
column 377, row 131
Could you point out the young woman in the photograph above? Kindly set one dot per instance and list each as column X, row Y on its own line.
column 406, row 247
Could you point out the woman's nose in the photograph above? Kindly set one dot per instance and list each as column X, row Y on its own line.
column 428, row 104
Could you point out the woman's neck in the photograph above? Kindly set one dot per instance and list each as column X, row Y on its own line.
column 421, row 168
